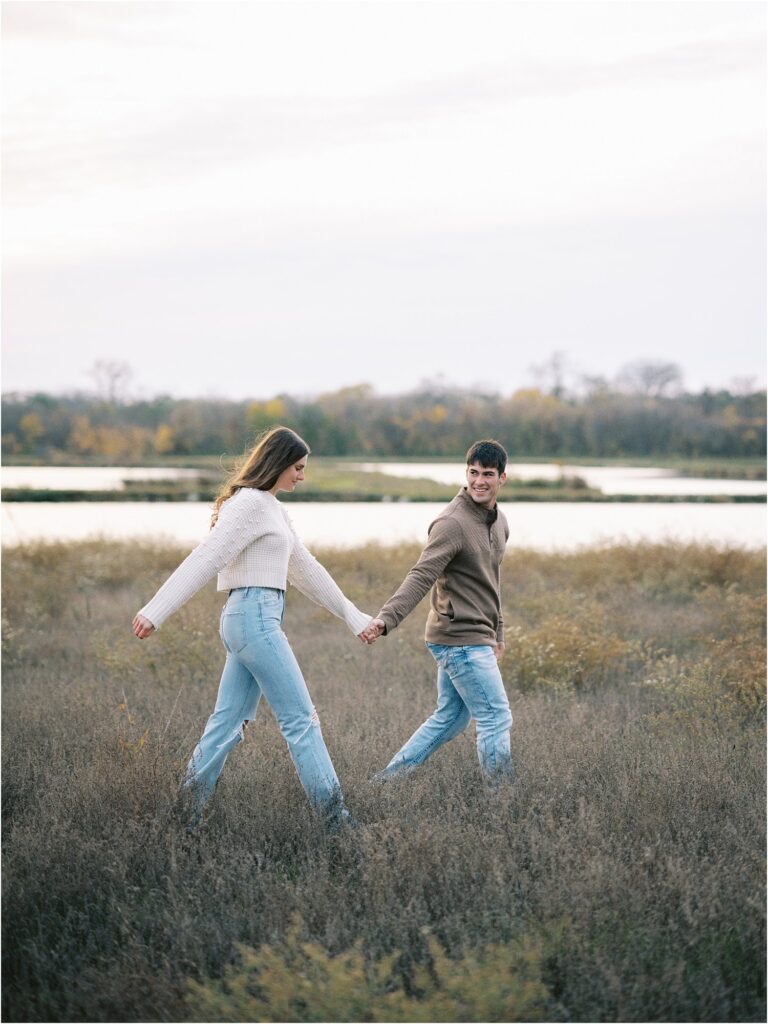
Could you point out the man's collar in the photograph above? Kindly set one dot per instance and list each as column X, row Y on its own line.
column 485, row 515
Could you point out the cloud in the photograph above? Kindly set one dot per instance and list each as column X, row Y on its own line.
column 116, row 21
column 53, row 144
column 683, row 64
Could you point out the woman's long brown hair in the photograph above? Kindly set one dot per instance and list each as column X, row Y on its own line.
column 274, row 451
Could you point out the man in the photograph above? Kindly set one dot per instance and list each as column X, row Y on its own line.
column 465, row 628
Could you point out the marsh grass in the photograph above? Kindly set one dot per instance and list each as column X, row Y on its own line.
column 620, row 878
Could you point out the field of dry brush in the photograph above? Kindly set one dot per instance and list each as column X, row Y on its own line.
column 621, row 877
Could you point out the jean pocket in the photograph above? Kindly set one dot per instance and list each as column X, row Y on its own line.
column 272, row 604
column 441, row 653
column 232, row 630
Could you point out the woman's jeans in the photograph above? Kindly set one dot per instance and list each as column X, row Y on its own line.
column 260, row 660
column 469, row 685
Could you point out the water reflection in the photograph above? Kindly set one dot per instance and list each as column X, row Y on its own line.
column 545, row 526
column 608, row 479
column 88, row 478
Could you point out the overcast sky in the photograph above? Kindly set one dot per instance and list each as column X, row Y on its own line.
column 242, row 199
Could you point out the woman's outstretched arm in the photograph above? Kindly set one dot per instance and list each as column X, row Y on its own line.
column 239, row 523
column 316, row 583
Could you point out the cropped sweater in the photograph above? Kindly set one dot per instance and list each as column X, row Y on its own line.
column 253, row 544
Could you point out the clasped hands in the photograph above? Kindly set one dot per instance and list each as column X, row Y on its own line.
column 143, row 628
column 372, row 632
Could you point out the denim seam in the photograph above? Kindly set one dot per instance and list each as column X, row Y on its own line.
column 437, row 742
column 467, row 665
column 489, row 753
column 313, row 797
column 318, row 767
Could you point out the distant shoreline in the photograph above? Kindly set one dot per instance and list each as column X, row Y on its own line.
column 737, row 468
column 19, row 494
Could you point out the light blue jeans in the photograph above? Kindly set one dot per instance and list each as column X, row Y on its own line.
column 469, row 685
column 260, row 660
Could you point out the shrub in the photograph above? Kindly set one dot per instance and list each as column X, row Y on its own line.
column 300, row 981
column 562, row 653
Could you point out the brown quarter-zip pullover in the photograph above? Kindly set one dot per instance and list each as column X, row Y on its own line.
column 461, row 563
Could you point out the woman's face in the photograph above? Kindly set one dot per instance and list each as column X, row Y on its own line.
column 291, row 476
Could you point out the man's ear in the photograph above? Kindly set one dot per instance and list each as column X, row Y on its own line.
column 502, row 478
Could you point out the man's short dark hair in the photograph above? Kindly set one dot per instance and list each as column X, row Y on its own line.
column 490, row 455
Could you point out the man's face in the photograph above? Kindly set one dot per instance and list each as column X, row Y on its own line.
column 483, row 484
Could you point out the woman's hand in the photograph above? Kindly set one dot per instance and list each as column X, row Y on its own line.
column 372, row 631
column 142, row 627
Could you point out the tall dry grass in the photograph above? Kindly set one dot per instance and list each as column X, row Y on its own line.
column 620, row 878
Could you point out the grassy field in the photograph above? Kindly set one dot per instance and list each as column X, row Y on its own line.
column 621, row 877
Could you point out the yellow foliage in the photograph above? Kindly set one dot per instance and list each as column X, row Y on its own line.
column 133, row 745
column 11, row 444
column 300, row 981
column 533, row 401
column 31, row 427
column 127, row 443
column 82, row 436
column 265, row 414
column 562, row 652
column 165, row 439
column 730, row 416
column 526, row 395
column 128, row 738
column 730, row 680
column 275, row 408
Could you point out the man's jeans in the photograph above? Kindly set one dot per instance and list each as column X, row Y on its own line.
column 469, row 685
column 260, row 660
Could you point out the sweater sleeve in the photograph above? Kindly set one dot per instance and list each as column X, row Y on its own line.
column 316, row 583
column 445, row 539
column 240, row 522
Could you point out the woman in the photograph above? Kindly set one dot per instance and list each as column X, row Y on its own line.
column 255, row 550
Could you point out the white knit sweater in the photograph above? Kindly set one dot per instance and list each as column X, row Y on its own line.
column 253, row 544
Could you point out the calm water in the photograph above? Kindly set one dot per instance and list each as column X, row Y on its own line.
column 541, row 525
column 87, row 478
column 546, row 526
column 609, row 479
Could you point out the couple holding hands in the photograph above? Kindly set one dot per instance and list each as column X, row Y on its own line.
column 255, row 551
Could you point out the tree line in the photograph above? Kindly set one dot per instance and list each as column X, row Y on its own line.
column 605, row 421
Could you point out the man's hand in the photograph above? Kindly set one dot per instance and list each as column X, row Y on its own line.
column 498, row 650
column 142, row 627
column 372, row 631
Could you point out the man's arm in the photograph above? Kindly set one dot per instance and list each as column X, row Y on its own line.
column 444, row 544
column 499, row 647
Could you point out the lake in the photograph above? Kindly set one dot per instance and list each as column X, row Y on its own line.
column 545, row 526
column 608, row 479
column 540, row 525
column 648, row 480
